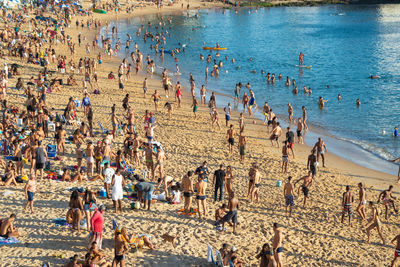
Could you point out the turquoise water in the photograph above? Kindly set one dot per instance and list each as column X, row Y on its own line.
column 344, row 45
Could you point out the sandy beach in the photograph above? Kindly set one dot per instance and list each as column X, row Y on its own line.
column 313, row 236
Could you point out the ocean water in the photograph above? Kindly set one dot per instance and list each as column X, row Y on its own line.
column 345, row 44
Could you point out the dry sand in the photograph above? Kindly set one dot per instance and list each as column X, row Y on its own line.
column 312, row 237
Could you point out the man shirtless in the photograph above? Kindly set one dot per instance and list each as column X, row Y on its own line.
column 307, row 183
column 242, row 146
column 120, row 248
column 276, row 133
column 156, row 98
column 396, row 250
column 233, row 207
column 130, row 117
column 203, row 92
column 300, row 131
column 374, row 222
column 149, row 159
column 363, row 201
column 187, row 185
column 160, row 156
column 312, row 163
column 114, row 121
column 8, row 229
column 321, row 149
column 347, row 204
column 135, row 148
column 255, row 189
column 387, row 199
column 288, row 194
column 230, row 134
column 201, row 195
column 277, row 244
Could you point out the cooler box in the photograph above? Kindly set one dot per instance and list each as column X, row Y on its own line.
column 51, row 151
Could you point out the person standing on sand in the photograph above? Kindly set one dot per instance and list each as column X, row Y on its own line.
column 285, row 157
column 242, row 146
column 276, row 133
column 156, row 98
column 219, row 181
column 230, row 134
column 300, row 131
column 227, row 110
column 387, row 199
column 363, row 201
column 347, row 204
column 118, row 183
column 307, row 183
column 233, row 207
column 251, row 180
column 267, row 257
column 203, row 95
column 312, row 163
column 256, row 188
column 96, row 227
column 374, row 222
column 187, row 185
column 290, row 140
column 321, row 149
column 277, row 244
column 201, row 196
column 288, row 194
column 120, row 248
column 396, row 250
column 195, row 106
column 30, row 190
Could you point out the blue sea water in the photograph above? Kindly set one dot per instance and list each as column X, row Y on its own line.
column 345, row 44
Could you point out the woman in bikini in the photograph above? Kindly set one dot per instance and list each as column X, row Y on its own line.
column 75, row 204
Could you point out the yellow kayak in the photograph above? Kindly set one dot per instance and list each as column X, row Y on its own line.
column 214, row 48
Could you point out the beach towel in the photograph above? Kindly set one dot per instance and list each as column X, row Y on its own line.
column 210, row 257
column 8, row 241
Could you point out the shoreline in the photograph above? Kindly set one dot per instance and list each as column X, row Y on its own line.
column 342, row 149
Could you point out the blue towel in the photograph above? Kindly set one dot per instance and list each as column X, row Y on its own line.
column 8, row 241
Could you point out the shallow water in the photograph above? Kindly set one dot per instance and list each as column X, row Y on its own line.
column 344, row 45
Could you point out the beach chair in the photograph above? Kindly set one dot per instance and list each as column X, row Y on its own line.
column 130, row 170
column 104, row 131
column 51, row 151
column 219, row 262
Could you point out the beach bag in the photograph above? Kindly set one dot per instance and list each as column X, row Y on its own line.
column 135, row 205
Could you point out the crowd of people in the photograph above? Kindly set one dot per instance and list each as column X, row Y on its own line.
column 25, row 134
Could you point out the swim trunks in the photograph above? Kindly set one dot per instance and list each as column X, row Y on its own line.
column 305, row 190
column 299, row 133
column 348, row 209
column 231, row 215
column 285, row 158
column 201, row 197
column 30, row 196
column 227, row 117
column 231, row 141
column 242, row 150
column 289, row 200
column 279, row 250
column 274, row 137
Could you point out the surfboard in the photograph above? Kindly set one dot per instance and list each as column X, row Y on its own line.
column 304, row 66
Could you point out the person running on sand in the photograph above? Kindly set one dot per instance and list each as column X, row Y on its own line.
column 320, row 147
column 187, row 185
column 363, row 201
column 276, row 133
column 30, row 190
column 387, row 199
column 267, row 257
column 230, row 134
column 120, row 248
column 396, row 250
column 215, row 119
column 277, row 244
column 200, row 187
column 347, row 204
column 288, row 194
column 307, row 183
column 374, row 222
column 7, row 228
column 242, row 146
column 233, row 207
